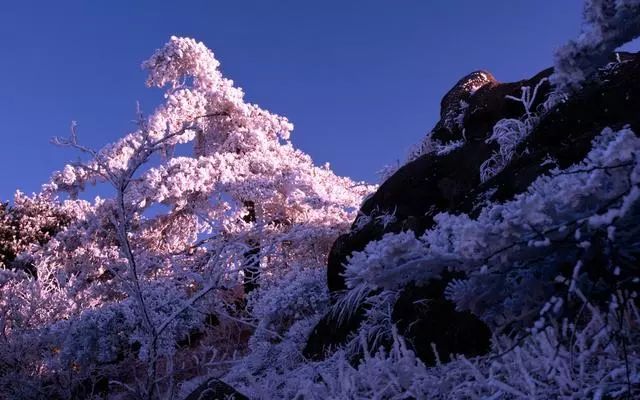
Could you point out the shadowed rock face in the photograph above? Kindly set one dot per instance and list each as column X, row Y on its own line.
column 428, row 321
column 451, row 183
column 215, row 389
column 432, row 184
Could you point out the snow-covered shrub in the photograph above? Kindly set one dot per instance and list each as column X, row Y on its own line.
column 28, row 223
column 296, row 295
column 607, row 25
column 524, row 241
column 596, row 360
column 512, row 255
column 508, row 133
column 430, row 145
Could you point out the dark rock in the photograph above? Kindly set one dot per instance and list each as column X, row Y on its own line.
column 565, row 133
column 96, row 386
column 458, row 96
column 195, row 336
column 215, row 389
column 329, row 333
column 432, row 184
column 429, row 322
column 423, row 316
column 451, row 183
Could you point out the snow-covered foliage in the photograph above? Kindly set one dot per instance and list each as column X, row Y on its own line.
column 508, row 133
column 525, row 241
column 607, row 25
column 430, row 145
column 515, row 257
column 454, row 119
column 29, row 222
column 192, row 246
column 562, row 361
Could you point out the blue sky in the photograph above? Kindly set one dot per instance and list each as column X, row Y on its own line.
column 361, row 80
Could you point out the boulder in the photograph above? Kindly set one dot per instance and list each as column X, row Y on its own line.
column 215, row 389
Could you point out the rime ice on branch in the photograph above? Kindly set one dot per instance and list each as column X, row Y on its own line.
column 242, row 208
column 607, row 25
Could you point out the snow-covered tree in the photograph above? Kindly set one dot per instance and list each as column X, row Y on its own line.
column 212, row 207
column 27, row 223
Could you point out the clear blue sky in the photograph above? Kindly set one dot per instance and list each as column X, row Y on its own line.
column 361, row 80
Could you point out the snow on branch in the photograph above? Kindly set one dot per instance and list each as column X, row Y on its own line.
column 607, row 25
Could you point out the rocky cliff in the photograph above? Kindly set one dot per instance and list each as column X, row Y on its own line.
column 446, row 178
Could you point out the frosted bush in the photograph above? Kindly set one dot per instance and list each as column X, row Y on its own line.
column 523, row 240
column 607, row 25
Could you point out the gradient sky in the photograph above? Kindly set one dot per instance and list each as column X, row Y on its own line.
column 361, row 80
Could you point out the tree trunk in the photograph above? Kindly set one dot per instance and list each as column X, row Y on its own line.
column 252, row 256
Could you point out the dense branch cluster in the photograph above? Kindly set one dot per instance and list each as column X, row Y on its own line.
column 189, row 248
column 608, row 24
column 29, row 222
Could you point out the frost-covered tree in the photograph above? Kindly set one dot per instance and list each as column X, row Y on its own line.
column 212, row 208
column 26, row 224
